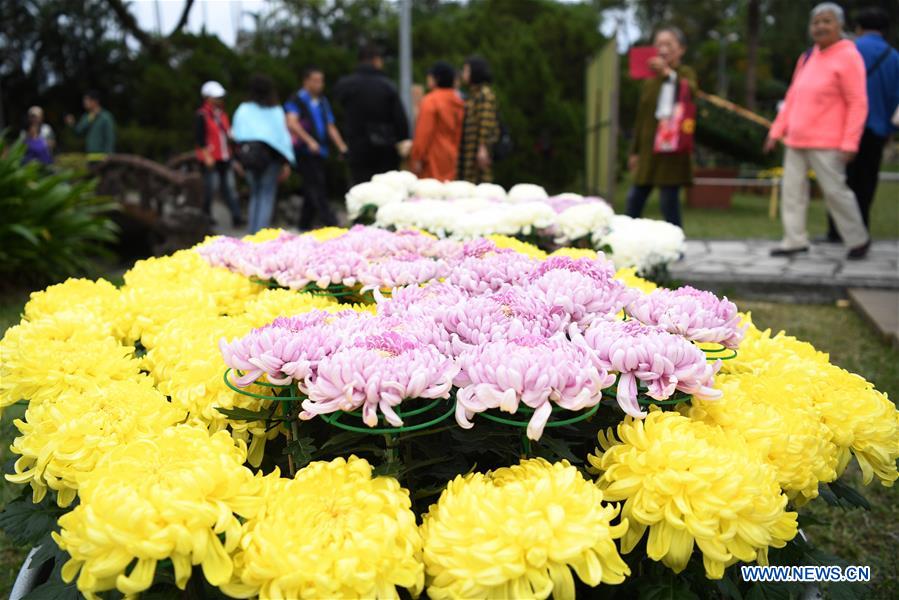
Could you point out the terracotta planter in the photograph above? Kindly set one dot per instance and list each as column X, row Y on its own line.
column 711, row 195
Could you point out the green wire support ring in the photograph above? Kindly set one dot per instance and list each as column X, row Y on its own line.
column 334, row 419
column 526, row 409
column 721, row 348
column 669, row 402
column 290, row 398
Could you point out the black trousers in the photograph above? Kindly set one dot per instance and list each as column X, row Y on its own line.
column 861, row 177
column 315, row 192
column 669, row 198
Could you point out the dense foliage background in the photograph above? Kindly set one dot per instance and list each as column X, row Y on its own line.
column 56, row 49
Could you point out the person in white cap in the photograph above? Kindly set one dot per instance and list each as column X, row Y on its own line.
column 213, row 147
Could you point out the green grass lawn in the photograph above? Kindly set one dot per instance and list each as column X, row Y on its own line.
column 748, row 216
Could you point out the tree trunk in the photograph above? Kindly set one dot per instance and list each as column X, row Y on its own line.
column 752, row 52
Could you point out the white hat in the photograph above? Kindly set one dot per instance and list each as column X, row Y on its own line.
column 212, row 89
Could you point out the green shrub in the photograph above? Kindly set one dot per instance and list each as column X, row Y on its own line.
column 53, row 226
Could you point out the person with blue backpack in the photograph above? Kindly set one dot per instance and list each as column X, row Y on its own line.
column 311, row 123
column 882, row 78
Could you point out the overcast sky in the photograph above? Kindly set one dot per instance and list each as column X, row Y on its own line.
column 222, row 18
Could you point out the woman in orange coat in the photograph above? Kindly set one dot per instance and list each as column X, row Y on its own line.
column 438, row 131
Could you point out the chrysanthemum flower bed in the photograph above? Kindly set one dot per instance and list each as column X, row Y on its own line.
column 372, row 414
column 461, row 210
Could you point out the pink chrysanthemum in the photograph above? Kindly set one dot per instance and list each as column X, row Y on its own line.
column 506, row 315
column 419, row 300
column 533, row 370
column 584, row 289
column 665, row 362
column 404, row 269
column 289, row 349
column 490, row 271
column 376, row 373
column 695, row 314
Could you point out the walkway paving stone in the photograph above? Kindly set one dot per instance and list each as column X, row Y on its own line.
column 745, row 266
column 881, row 308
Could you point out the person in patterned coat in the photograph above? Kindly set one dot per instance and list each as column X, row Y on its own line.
column 481, row 127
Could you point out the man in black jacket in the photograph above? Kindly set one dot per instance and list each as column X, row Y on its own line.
column 374, row 119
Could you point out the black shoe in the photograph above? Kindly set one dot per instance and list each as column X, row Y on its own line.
column 859, row 252
column 827, row 239
column 788, row 251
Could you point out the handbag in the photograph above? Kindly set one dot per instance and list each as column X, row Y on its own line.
column 255, row 157
column 674, row 135
column 381, row 135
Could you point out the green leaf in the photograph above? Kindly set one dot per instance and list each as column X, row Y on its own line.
column 54, row 587
column 728, row 588
column 555, row 449
column 387, row 469
column 774, row 591
column 301, row 450
column 25, row 233
column 26, row 523
column 847, row 495
column 674, row 588
column 243, row 414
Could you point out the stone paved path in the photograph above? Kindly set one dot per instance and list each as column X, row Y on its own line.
column 746, row 265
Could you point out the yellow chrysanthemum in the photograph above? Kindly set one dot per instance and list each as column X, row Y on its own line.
column 332, row 532
column 166, row 497
column 270, row 304
column 263, row 235
column 576, row 253
column 518, row 532
column 68, row 350
column 688, row 482
column 326, row 233
column 782, row 427
column 99, row 297
column 187, row 275
column 863, row 422
column 185, row 361
column 504, row 241
column 62, row 440
column 629, row 276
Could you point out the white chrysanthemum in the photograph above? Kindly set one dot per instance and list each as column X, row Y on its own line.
column 427, row 188
column 641, row 243
column 400, row 180
column 490, row 191
column 582, row 220
column 527, row 192
column 370, row 194
column 459, row 189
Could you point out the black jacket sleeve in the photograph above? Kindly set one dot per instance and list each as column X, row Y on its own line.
column 200, row 131
column 400, row 119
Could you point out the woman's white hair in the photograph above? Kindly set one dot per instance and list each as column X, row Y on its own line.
column 831, row 7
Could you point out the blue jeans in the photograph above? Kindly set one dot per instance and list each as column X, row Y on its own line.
column 263, row 189
column 221, row 177
column 668, row 197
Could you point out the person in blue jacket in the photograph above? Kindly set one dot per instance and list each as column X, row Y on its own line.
column 882, row 68
column 264, row 148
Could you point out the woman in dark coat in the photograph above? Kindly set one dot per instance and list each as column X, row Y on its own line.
column 668, row 171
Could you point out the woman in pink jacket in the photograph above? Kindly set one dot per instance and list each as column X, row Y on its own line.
column 821, row 123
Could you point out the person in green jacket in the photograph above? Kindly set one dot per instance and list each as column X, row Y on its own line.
column 96, row 126
column 666, row 171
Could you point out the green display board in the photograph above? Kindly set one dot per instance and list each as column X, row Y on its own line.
column 601, row 151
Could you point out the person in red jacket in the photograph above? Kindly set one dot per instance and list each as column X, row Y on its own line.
column 438, row 130
column 212, row 131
